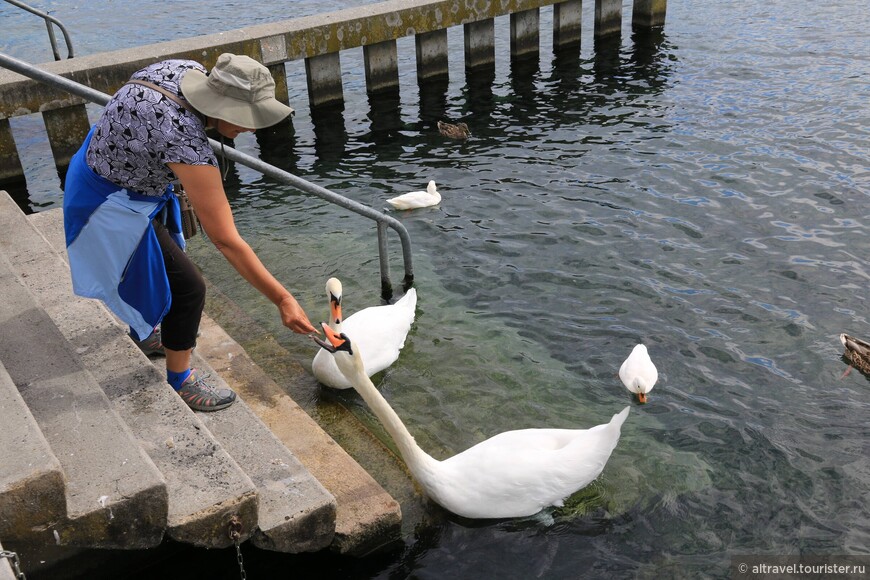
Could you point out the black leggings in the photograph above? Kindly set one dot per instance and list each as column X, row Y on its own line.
column 180, row 325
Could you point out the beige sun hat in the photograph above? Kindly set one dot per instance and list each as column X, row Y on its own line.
column 238, row 90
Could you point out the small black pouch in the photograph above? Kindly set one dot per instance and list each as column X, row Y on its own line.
column 189, row 221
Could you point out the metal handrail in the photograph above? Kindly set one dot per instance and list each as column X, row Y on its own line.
column 49, row 20
column 383, row 221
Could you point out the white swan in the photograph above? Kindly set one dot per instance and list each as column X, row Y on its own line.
column 638, row 373
column 513, row 474
column 417, row 199
column 380, row 332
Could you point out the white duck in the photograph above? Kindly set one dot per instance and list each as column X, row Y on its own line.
column 380, row 332
column 638, row 373
column 513, row 474
column 417, row 199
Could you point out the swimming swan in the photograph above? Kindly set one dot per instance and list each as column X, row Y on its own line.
column 513, row 474
column 638, row 373
column 380, row 332
column 417, row 199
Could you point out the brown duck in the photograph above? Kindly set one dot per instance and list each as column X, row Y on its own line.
column 856, row 352
column 458, row 131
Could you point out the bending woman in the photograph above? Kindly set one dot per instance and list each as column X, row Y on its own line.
column 121, row 217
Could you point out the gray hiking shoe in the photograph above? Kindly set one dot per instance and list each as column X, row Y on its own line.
column 152, row 345
column 201, row 396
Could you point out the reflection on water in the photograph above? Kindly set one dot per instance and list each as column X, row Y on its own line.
column 701, row 192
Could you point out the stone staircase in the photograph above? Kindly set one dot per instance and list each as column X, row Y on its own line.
column 96, row 451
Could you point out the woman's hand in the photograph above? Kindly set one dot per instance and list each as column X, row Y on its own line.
column 294, row 317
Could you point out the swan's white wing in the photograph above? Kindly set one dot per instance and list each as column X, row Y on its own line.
column 378, row 332
column 518, row 473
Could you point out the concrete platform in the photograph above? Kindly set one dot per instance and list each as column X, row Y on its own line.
column 276, row 501
column 207, row 488
column 298, row 489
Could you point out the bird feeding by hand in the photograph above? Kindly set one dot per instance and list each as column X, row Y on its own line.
column 379, row 333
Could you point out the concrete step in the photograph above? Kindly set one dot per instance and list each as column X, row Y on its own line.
column 116, row 497
column 206, row 486
column 294, row 512
column 32, row 489
column 367, row 517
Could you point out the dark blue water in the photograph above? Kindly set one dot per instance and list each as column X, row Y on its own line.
column 704, row 190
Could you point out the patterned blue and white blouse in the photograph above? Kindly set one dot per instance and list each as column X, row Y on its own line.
column 141, row 131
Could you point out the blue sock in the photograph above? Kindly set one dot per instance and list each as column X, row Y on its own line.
column 175, row 379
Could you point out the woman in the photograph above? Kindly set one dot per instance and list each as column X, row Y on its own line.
column 121, row 216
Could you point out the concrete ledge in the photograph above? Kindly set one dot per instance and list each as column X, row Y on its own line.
column 116, row 497
column 32, row 490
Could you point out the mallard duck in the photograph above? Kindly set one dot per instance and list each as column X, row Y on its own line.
column 513, row 474
column 856, row 352
column 638, row 373
column 380, row 332
column 458, row 131
column 415, row 199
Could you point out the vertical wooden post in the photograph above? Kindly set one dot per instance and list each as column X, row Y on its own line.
column 525, row 33
column 479, row 44
column 567, row 23
column 10, row 163
column 432, row 55
column 648, row 13
column 67, row 129
column 323, row 73
column 608, row 17
column 381, row 65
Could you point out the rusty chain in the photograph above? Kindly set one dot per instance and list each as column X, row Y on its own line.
column 235, row 532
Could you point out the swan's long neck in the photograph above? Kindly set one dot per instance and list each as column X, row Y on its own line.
column 417, row 459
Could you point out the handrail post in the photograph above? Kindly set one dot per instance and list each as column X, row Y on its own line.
column 48, row 22
column 386, row 287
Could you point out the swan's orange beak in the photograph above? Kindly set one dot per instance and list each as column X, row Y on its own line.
column 641, row 397
column 335, row 341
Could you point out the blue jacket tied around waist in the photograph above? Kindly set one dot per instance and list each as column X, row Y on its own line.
column 113, row 251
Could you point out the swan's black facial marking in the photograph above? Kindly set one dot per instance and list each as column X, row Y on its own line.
column 335, row 307
column 345, row 345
